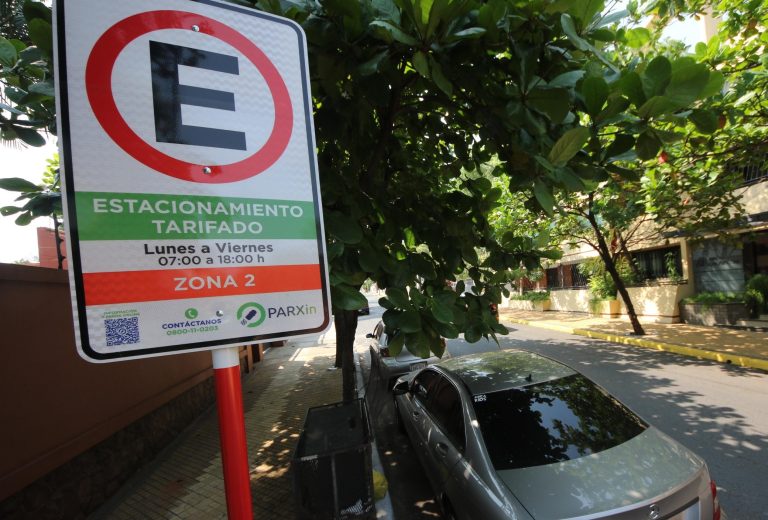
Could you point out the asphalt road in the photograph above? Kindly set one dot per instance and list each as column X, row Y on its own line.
column 718, row 411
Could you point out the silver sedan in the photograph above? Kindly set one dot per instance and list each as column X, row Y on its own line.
column 392, row 367
column 514, row 435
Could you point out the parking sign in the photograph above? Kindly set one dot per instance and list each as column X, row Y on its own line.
column 191, row 194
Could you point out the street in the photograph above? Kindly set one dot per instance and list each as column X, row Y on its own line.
column 716, row 410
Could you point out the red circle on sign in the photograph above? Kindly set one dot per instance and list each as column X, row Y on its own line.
column 98, row 84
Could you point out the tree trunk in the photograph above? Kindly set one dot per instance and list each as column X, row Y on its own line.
column 345, row 323
column 605, row 253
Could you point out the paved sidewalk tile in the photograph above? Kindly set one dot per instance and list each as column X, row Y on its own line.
column 186, row 481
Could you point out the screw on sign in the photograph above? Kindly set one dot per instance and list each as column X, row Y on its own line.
column 190, row 189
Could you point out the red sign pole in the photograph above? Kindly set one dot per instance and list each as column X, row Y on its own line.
column 234, row 450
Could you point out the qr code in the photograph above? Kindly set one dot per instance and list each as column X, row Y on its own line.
column 122, row 331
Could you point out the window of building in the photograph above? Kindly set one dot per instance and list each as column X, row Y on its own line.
column 659, row 263
column 753, row 171
column 554, row 278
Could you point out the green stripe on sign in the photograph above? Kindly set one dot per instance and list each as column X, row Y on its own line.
column 150, row 216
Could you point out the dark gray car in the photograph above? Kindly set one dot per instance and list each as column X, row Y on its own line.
column 515, row 435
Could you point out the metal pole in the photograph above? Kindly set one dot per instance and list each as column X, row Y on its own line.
column 234, row 450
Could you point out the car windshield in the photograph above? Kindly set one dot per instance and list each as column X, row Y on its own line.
column 552, row 422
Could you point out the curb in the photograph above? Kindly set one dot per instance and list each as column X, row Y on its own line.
column 383, row 506
column 720, row 357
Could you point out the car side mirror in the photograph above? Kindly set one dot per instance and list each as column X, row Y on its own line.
column 369, row 335
column 400, row 388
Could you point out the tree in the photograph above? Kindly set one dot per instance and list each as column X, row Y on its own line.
column 412, row 97
column 27, row 99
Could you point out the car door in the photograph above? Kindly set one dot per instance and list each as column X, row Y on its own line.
column 375, row 343
column 440, row 426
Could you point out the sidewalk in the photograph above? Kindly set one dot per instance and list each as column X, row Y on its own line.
column 740, row 347
column 186, row 481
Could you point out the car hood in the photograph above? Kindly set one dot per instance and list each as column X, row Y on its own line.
column 645, row 467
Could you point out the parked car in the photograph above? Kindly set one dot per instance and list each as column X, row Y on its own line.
column 364, row 311
column 391, row 367
column 515, row 435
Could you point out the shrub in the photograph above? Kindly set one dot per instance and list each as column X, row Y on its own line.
column 533, row 296
column 757, row 293
column 708, row 298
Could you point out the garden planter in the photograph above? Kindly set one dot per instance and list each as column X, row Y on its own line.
column 605, row 308
column 529, row 305
column 713, row 314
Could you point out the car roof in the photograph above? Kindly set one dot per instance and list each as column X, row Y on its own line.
column 488, row 372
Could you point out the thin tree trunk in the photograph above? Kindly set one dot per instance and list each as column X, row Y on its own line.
column 345, row 323
column 605, row 253
column 59, row 242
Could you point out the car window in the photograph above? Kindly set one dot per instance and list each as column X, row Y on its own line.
column 422, row 385
column 444, row 405
column 552, row 422
column 377, row 331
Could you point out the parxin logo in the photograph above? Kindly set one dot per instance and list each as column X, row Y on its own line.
column 252, row 314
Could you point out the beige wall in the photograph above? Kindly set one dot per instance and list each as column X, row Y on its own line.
column 572, row 300
column 53, row 404
column 658, row 303
column 755, row 198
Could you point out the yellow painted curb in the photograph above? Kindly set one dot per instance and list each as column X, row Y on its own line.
column 720, row 357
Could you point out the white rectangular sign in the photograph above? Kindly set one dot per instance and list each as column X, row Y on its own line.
column 191, row 190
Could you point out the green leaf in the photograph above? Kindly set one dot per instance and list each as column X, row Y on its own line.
column 343, row 227
column 368, row 259
column 395, row 344
column 10, row 210
column 437, row 76
column 567, row 79
column 446, row 330
column 44, row 88
column 603, row 35
column 637, row 37
column 568, row 145
column 595, row 93
column 347, row 298
column 647, row 145
column 612, row 18
column 687, row 81
column 656, row 76
column 657, row 106
column 441, row 310
column 621, row 143
column 543, row 194
column 409, row 321
column 398, row 297
column 553, row 102
column 467, row 34
column 585, row 10
column 29, row 136
column 417, row 344
column 632, row 86
column 390, row 32
column 569, row 28
column 19, row 184
column 421, row 64
column 8, row 55
column 705, row 120
column 372, row 66
column 41, row 33
column 714, row 84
